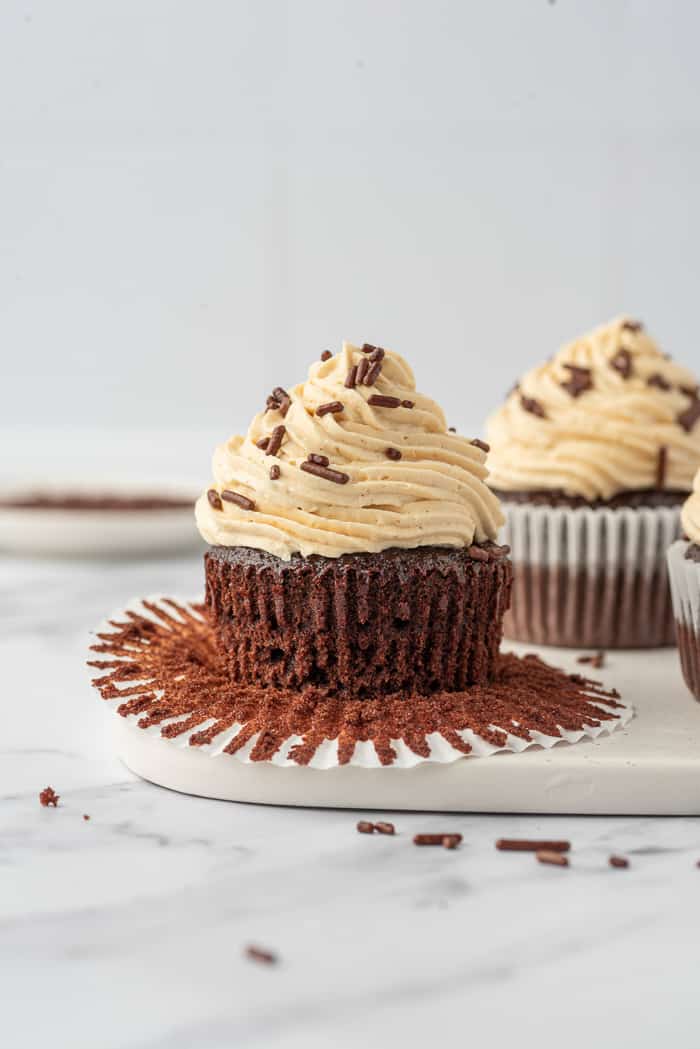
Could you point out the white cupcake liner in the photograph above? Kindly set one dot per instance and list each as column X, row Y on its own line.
column 590, row 577
column 439, row 749
column 684, row 576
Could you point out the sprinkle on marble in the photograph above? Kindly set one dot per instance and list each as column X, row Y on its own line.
column 48, row 796
column 365, row 827
column 261, row 955
column 382, row 827
column 554, row 859
column 531, row 845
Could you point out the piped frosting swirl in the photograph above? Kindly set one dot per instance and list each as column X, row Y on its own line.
column 690, row 513
column 402, row 479
column 609, row 413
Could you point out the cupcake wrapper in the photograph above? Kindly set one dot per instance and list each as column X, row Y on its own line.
column 590, row 578
column 685, row 592
column 148, row 694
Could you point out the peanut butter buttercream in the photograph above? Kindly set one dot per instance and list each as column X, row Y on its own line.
column 690, row 514
column 609, row 413
column 333, row 468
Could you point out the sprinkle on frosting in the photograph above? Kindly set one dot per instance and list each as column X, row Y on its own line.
column 579, row 380
column 607, row 440
column 690, row 514
column 339, row 489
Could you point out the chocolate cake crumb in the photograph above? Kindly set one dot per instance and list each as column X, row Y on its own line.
column 168, row 665
column 48, row 796
column 259, row 954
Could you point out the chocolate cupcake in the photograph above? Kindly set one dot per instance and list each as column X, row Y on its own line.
column 684, row 573
column 593, row 454
column 353, row 539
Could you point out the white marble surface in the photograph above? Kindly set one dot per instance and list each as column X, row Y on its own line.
column 127, row 931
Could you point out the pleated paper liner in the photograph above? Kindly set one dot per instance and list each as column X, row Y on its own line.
column 685, row 589
column 590, row 578
column 157, row 664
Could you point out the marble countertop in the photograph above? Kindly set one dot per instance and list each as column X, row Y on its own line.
column 128, row 931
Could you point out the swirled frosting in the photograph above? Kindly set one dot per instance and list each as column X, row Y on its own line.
column 609, row 413
column 432, row 494
column 690, row 514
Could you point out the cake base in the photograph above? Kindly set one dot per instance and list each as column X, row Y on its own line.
column 650, row 768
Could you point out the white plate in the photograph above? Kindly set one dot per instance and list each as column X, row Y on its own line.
column 650, row 767
column 98, row 533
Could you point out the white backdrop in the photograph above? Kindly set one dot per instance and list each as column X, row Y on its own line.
column 198, row 196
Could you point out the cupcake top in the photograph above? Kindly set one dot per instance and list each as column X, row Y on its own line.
column 351, row 461
column 690, row 514
column 609, row 413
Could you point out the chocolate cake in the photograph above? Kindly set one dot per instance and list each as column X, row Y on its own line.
column 422, row 620
column 353, row 539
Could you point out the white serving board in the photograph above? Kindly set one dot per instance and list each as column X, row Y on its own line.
column 651, row 767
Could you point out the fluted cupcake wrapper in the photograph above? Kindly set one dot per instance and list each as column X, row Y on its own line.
column 158, row 666
column 591, row 578
column 684, row 576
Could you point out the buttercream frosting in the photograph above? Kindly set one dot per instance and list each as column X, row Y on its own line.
column 609, row 413
column 690, row 513
column 431, row 494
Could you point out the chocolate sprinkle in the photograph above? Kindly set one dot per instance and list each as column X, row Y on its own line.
column 597, row 660
column 214, row 499
column 658, row 380
column 453, row 429
column 528, row 845
column 377, row 354
column 365, row 827
column 690, row 416
column 326, row 355
column 166, row 664
column 556, row 859
column 48, row 796
column 632, row 326
column 373, row 373
column 323, row 471
column 529, row 404
column 238, row 499
column 385, row 828
column 579, row 380
column 274, row 472
column 407, row 404
column 437, row 839
column 485, row 448
column 381, row 400
column 367, row 347
column 393, row 453
column 690, row 391
column 661, row 462
column 320, row 460
column 362, row 369
column 619, row 861
column 259, row 954
column 263, row 443
column 351, row 378
column 332, row 407
column 276, row 438
column 622, row 363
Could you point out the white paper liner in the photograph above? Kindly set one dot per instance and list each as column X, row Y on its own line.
column 326, row 755
column 685, row 585
column 626, row 546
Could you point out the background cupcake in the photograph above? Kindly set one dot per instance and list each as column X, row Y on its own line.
column 352, row 538
column 593, row 453
column 684, row 570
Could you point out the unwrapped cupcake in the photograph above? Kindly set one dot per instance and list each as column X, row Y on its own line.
column 684, row 570
column 352, row 539
column 592, row 455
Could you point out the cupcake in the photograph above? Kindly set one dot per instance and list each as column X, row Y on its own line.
column 684, row 572
column 352, row 539
column 593, row 454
